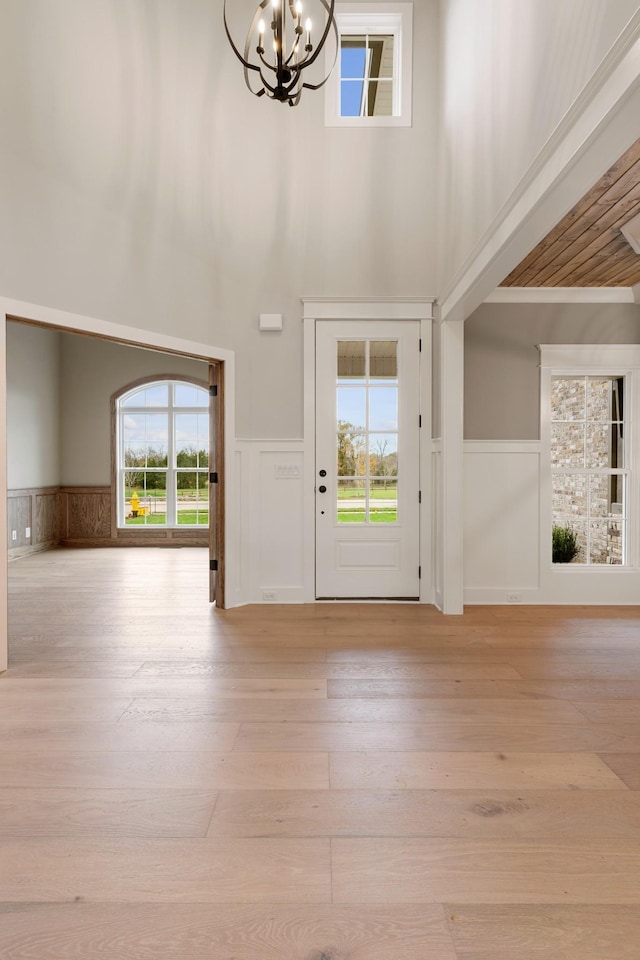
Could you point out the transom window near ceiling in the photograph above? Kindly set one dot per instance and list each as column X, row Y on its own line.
column 163, row 455
column 371, row 85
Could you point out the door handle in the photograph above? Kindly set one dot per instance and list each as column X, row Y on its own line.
column 322, row 489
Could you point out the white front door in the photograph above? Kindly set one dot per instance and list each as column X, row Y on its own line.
column 367, row 459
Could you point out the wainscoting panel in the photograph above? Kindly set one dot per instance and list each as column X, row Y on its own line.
column 501, row 521
column 48, row 517
column 271, row 474
column 88, row 513
column 34, row 515
column 19, row 521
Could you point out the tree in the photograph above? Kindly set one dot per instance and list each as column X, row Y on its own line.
column 351, row 449
column 381, row 463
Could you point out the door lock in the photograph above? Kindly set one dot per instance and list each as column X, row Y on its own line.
column 323, row 473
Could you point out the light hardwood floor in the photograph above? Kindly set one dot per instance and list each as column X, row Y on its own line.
column 327, row 782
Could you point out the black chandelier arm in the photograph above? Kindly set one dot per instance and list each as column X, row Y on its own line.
column 267, row 85
column 266, row 63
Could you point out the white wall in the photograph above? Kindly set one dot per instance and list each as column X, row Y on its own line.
column 502, row 379
column 33, row 407
column 141, row 183
column 502, row 468
column 92, row 370
column 511, row 71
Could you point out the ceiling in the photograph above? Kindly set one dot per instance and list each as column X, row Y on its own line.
column 586, row 249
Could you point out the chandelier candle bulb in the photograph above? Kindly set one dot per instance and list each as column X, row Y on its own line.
column 284, row 79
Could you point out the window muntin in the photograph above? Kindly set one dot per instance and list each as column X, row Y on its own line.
column 589, row 465
column 163, row 456
column 371, row 82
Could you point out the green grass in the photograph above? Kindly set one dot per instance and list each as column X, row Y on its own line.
column 357, row 516
column 190, row 516
column 184, row 517
column 355, row 493
column 146, row 520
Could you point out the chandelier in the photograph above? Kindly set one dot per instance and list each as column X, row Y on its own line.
column 280, row 69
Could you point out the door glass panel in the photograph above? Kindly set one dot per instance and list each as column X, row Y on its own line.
column 351, row 360
column 352, row 408
column 367, row 431
column 383, row 360
column 352, row 453
column 383, row 454
column 352, row 501
column 383, row 500
column 383, row 408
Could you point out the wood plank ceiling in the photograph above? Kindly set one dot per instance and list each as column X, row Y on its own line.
column 586, row 249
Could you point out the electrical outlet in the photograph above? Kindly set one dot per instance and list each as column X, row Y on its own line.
column 269, row 595
column 14, row 534
column 514, row 598
column 27, row 532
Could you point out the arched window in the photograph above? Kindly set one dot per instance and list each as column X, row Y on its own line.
column 162, row 444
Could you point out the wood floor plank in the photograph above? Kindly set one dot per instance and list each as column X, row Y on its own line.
column 626, row 766
column 485, row 871
column 618, row 711
column 432, row 711
column 521, row 771
column 70, row 689
column 179, row 770
column 579, row 666
column 469, row 814
column 111, row 737
column 52, row 708
column 386, row 734
column 86, row 647
column 434, row 672
column 73, row 668
column 57, row 812
column 504, row 932
column 159, row 870
column 418, row 689
column 198, row 931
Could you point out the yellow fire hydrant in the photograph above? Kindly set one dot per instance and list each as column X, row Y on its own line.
column 138, row 509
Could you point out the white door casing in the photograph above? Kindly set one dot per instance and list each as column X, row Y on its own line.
column 368, row 444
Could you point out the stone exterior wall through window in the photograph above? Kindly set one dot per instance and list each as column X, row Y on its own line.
column 587, row 434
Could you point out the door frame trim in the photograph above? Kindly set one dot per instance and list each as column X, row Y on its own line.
column 315, row 310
